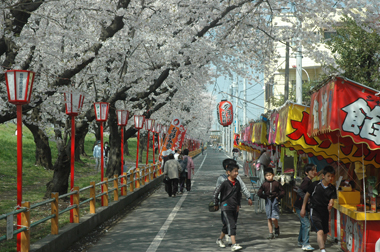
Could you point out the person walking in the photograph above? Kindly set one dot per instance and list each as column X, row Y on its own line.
column 244, row 189
column 230, row 197
column 272, row 192
column 97, row 155
column 303, row 236
column 322, row 194
column 172, row 170
column 189, row 167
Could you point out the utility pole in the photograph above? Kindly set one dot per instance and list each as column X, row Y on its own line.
column 231, row 127
column 236, row 105
column 286, row 91
column 245, row 119
column 299, row 70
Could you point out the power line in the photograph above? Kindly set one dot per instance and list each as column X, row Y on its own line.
column 244, row 100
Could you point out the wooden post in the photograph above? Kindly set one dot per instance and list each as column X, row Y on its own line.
column 151, row 169
column 76, row 202
column 124, row 188
column 105, row 189
column 131, row 179
column 143, row 175
column 137, row 178
column 116, row 186
column 147, row 174
column 92, row 195
column 25, row 221
column 54, row 210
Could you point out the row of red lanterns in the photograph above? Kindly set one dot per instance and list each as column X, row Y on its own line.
column 19, row 88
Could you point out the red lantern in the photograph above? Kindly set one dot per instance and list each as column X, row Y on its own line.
column 73, row 102
column 139, row 121
column 122, row 117
column 101, row 111
column 19, row 85
column 225, row 113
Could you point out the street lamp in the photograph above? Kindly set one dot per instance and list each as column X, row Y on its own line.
column 19, row 88
column 122, row 120
column 73, row 105
column 308, row 77
column 139, row 123
column 148, row 126
column 101, row 115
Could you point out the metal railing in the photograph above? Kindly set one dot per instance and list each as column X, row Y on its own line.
column 141, row 175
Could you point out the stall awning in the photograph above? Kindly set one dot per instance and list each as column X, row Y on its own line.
column 292, row 129
column 345, row 111
column 259, row 133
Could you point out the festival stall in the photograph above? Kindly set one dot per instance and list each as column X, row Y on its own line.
column 345, row 123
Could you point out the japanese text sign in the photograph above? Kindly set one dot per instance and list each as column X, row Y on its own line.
column 349, row 107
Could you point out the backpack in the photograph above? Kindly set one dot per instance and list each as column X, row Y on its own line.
column 184, row 168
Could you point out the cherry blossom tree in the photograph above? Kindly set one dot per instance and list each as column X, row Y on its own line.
column 154, row 57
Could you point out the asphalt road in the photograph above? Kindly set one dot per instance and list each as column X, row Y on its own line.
column 183, row 223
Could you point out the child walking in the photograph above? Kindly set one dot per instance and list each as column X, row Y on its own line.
column 303, row 236
column 322, row 194
column 272, row 192
column 230, row 201
column 244, row 190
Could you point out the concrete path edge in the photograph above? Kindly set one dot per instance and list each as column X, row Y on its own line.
column 72, row 232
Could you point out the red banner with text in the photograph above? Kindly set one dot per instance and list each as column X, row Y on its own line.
column 345, row 111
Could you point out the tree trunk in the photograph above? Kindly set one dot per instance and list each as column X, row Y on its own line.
column 60, row 181
column 114, row 155
column 80, row 151
column 43, row 152
column 62, row 166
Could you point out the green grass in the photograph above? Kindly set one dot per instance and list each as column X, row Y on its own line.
column 34, row 180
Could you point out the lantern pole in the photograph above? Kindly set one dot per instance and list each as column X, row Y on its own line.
column 154, row 161
column 122, row 156
column 19, row 171
column 138, row 145
column 72, row 165
column 147, row 147
column 101, row 159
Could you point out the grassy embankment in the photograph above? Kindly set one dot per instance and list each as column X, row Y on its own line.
column 34, row 180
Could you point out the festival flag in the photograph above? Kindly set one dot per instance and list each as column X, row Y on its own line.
column 175, row 136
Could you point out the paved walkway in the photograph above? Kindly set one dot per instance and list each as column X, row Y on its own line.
column 183, row 223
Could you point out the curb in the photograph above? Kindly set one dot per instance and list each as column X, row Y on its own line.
column 73, row 232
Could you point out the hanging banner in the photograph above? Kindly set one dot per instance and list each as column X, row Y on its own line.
column 175, row 136
column 273, row 128
column 292, row 133
column 182, row 138
column 236, row 140
column 259, row 133
column 348, row 109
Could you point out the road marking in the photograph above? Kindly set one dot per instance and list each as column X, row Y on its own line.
column 161, row 234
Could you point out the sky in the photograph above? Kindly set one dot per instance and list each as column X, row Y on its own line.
column 255, row 94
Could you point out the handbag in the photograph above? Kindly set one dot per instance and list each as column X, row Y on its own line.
column 211, row 205
column 166, row 180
